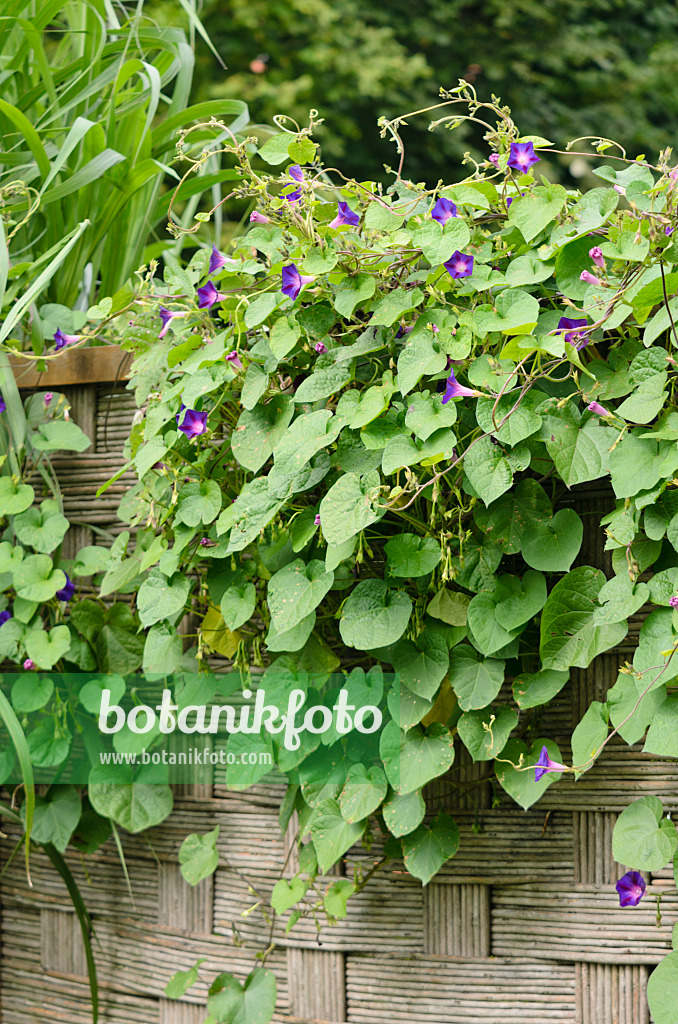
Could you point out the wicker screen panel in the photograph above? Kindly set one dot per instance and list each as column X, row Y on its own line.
column 522, row 926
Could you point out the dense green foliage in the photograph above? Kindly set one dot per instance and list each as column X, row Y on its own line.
column 566, row 69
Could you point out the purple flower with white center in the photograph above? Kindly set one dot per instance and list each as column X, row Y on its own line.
column 320, row 348
column 573, row 329
column 234, row 359
column 295, row 172
column 29, row 664
column 217, row 261
column 630, row 888
column 522, row 156
column 345, row 215
column 194, row 423
column 589, row 278
column 597, row 256
column 443, row 210
column 62, row 339
column 459, row 265
column 293, row 281
column 259, row 218
column 673, row 601
column 167, row 316
column 48, row 398
column 494, row 159
column 67, row 591
column 317, row 519
column 545, row 764
column 3, row 405
column 5, row 616
column 453, row 389
column 598, row 409
column 208, row 295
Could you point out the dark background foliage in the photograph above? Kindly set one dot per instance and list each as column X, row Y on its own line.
column 565, row 67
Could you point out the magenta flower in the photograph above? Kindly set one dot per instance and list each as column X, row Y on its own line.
column 459, row 265
column 598, row 409
column 673, row 601
column 494, row 159
column 345, row 215
column 545, row 764
column 522, row 156
column 259, row 218
column 207, row 543
column 630, row 888
column 62, row 339
column 295, row 172
column 443, row 210
column 29, row 664
column 317, row 519
column 597, row 257
column 620, row 189
column 208, row 295
column 194, row 423
column 588, row 277
column 320, row 348
column 453, row 389
column 167, row 316
column 234, row 359
column 293, row 281
column 48, row 398
column 217, row 261
column 67, row 591
column 5, row 616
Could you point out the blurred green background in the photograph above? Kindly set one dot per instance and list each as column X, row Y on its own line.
column 566, row 68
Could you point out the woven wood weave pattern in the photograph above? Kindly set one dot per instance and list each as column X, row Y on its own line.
column 522, row 926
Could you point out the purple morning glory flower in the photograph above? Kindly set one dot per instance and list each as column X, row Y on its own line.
column 494, row 159
column 3, row 405
column 630, row 888
column 453, row 389
column 194, row 423
column 545, row 764
column 673, row 601
column 668, row 230
column 167, row 316
column 234, row 359
column 5, row 616
column 459, row 265
column 320, row 347
column 293, row 281
column 208, row 295
column 48, row 398
column 522, row 156
column 67, row 591
column 207, row 543
column 345, row 216
column 62, row 339
column 598, row 409
column 295, row 172
column 443, row 210
column 597, row 256
column 29, row 664
column 293, row 197
column 317, row 519
column 259, row 218
column 402, row 331
column 588, row 277
column 573, row 329
column 217, row 260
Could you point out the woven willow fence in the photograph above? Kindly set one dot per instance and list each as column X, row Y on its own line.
column 523, row 925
